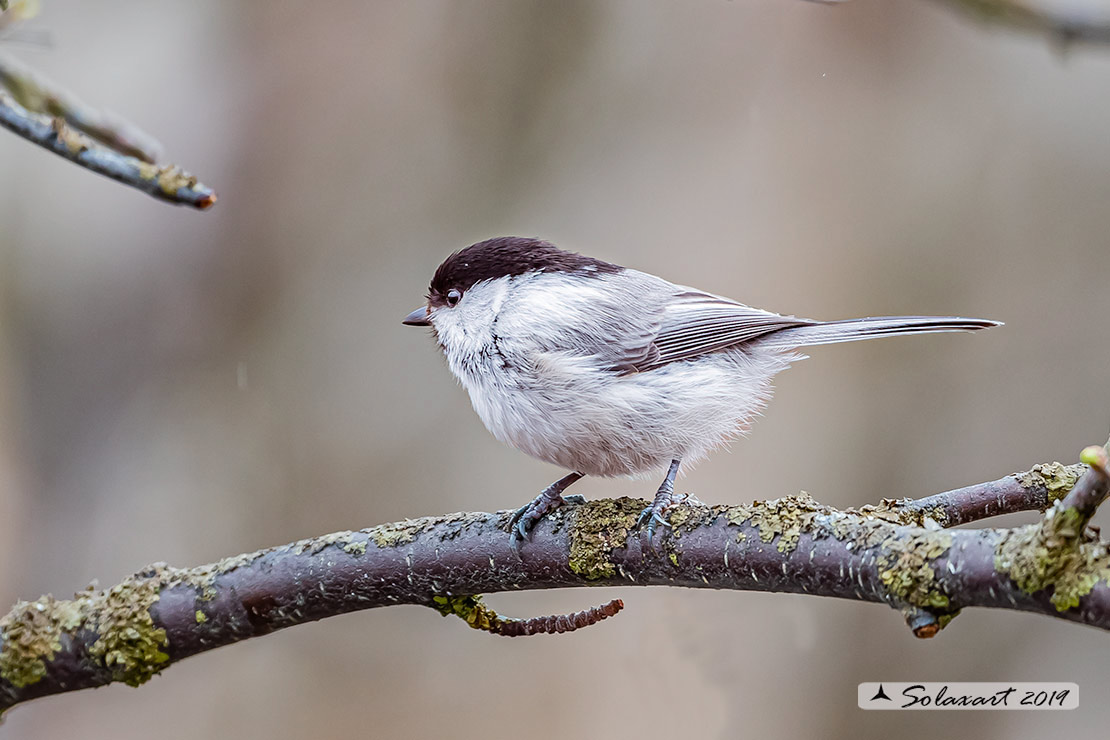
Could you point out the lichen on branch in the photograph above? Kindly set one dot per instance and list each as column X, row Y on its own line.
column 128, row 645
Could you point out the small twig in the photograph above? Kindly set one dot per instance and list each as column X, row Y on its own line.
column 39, row 96
column 1033, row 490
column 923, row 623
column 474, row 612
column 169, row 183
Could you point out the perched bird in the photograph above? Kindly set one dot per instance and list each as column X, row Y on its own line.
column 608, row 371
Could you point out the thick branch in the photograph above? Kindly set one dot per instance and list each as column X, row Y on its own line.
column 163, row 614
column 169, row 183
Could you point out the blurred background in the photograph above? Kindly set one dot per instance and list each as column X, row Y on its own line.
column 181, row 386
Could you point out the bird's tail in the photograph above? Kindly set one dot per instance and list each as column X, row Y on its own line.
column 851, row 330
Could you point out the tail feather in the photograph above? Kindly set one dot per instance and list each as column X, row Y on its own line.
column 852, row 330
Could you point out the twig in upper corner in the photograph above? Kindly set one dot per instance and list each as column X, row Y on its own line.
column 39, row 96
column 169, row 183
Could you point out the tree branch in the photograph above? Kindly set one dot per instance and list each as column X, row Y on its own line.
column 893, row 553
column 169, row 183
column 1035, row 489
column 39, row 96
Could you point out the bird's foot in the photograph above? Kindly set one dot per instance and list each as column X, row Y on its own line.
column 657, row 512
column 527, row 516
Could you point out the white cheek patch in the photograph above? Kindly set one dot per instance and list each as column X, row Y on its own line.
column 466, row 331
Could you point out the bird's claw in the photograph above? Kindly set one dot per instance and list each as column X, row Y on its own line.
column 648, row 517
column 526, row 517
column 522, row 521
column 656, row 513
column 519, row 525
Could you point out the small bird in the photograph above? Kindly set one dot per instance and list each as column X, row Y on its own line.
column 608, row 371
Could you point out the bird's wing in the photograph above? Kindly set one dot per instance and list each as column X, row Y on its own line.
column 630, row 323
column 696, row 323
column 611, row 320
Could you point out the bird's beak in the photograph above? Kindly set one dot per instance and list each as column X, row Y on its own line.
column 419, row 317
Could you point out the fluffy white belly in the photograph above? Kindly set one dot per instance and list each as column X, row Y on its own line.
column 566, row 411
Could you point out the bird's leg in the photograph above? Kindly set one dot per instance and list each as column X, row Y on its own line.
column 526, row 516
column 665, row 498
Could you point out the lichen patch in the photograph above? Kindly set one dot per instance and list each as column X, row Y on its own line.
column 129, row 644
column 906, row 567
column 785, row 518
column 397, row 533
column 1054, row 477
column 598, row 528
column 32, row 633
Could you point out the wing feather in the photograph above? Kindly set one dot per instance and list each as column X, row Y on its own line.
column 696, row 323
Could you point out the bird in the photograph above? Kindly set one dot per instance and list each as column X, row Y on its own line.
column 607, row 371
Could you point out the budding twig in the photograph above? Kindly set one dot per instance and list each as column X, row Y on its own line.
column 1092, row 488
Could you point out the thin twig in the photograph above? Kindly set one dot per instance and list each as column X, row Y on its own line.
column 1033, row 490
column 39, row 96
column 473, row 611
column 169, row 183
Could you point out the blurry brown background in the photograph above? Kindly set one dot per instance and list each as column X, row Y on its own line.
column 180, row 386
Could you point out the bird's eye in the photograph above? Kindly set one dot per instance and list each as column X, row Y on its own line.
column 453, row 297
